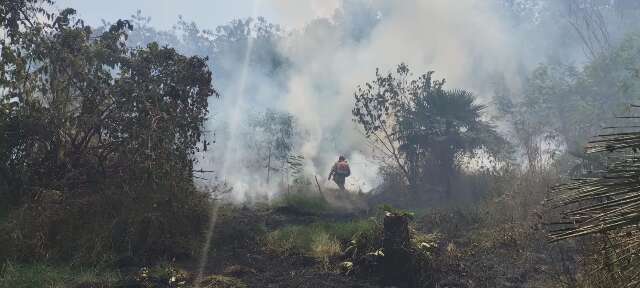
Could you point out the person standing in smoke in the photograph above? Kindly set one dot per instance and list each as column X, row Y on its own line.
column 340, row 171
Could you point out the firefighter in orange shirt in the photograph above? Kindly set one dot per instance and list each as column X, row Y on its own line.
column 340, row 171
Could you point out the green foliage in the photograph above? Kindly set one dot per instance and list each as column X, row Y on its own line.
column 565, row 105
column 15, row 15
column 364, row 242
column 302, row 203
column 14, row 275
column 569, row 105
column 420, row 127
column 374, row 252
column 272, row 137
column 319, row 239
column 225, row 46
column 395, row 211
column 97, row 142
column 278, row 129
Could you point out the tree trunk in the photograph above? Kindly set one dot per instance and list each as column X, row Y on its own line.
column 269, row 166
column 395, row 243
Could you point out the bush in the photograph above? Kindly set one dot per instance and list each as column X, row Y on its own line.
column 102, row 165
column 100, row 230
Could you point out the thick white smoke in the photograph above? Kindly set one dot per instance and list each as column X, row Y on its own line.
column 463, row 41
column 333, row 46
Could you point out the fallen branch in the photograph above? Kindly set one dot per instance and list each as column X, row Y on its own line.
column 319, row 189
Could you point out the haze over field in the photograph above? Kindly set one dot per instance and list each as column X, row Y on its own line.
column 329, row 47
column 490, row 143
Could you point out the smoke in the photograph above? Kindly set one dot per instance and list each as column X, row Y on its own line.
column 464, row 41
column 333, row 47
column 310, row 67
column 296, row 14
column 329, row 48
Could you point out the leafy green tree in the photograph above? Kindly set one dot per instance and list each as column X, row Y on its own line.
column 98, row 141
column 17, row 16
column 422, row 128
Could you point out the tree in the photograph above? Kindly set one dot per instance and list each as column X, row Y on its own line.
column 274, row 134
column 98, row 124
column 377, row 107
column 18, row 16
column 225, row 46
column 564, row 104
column 445, row 126
column 422, row 128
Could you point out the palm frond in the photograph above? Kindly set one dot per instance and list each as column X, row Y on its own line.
column 608, row 203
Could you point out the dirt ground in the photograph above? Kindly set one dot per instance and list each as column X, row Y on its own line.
column 257, row 268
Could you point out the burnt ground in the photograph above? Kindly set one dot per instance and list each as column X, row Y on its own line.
column 299, row 271
column 247, row 260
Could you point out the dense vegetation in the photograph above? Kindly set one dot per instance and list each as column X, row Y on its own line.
column 101, row 129
column 422, row 129
column 97, row 142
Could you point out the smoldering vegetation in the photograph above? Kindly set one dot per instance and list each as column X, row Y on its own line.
column 492, row 144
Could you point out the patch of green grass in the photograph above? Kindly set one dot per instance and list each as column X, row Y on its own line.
column 14, row 275
column 303, row 203
column 319, row 240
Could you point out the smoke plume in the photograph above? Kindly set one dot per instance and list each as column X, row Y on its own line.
column 330, row 47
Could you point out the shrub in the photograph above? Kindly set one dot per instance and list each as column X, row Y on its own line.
column 100, row 143
column 94, row 231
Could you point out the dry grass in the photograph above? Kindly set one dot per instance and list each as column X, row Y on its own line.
column 320, row 240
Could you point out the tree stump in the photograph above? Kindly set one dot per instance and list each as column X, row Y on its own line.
column 397, row 256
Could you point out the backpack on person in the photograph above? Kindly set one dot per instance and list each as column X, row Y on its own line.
column 342, row 169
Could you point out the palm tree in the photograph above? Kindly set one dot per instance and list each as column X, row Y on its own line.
column 445, row 125
column 607, row 204
column 422, row 127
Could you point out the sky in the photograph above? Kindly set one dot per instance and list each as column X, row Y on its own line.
column 163, row 13
column 206, row 13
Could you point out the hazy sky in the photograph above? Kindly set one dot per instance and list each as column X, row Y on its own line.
column 207, row 13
